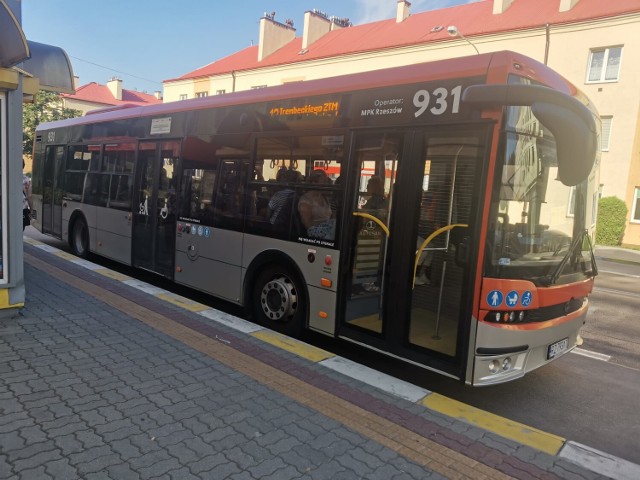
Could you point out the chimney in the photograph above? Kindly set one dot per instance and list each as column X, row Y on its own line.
column 403, row 11
column 158, row 94
column 316, row 24
column 76, row 82
column 566, row 5
column 499, row 6
column 273, row 35
column 115, row 87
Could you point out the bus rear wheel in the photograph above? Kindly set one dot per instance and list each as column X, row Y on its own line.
column 79, row 239
column 279, row 301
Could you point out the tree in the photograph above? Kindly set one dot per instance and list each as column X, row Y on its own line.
column 47, row 106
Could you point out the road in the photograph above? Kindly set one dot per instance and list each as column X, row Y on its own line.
column 591, row 398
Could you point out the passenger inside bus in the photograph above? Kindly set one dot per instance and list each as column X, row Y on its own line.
column 315, row 210
column 281, row 203
column 375, row 190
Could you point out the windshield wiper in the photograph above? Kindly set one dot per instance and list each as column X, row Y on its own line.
column 552, row 278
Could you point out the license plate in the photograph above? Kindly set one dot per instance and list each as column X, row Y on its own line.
column 557, row 348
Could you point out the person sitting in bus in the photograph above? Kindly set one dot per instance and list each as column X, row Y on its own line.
column 280, row 204
column 315, row 209
column 375, row 189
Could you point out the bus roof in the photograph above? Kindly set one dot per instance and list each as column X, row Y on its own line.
column 477, row 65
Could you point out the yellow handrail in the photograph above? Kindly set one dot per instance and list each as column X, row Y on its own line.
column 375, row 219
column 427, row 241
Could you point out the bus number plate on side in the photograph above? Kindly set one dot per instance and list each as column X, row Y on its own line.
column 557, row 348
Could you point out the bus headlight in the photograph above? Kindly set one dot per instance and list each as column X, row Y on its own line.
column 506, row 364
column 494, row 366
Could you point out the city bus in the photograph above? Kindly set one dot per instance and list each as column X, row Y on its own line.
column 440, row 213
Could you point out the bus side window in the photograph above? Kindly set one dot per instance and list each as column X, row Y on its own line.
column 229, row 201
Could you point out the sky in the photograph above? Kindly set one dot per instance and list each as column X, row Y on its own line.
column 144, row 42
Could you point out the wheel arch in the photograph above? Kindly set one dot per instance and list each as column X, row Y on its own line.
column 77, row 214
column 262, row 261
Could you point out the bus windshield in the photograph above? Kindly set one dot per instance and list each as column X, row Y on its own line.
column 538, row 228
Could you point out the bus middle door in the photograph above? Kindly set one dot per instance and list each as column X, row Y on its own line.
column 154, row 216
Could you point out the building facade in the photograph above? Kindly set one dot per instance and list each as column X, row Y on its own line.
column 594, row 44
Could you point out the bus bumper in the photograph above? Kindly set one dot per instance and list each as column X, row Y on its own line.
column 507, row 352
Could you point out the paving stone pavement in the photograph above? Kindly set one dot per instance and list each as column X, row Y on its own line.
column 101, row 381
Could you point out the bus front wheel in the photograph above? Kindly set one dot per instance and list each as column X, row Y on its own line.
column 278, row 300
column 80, row 238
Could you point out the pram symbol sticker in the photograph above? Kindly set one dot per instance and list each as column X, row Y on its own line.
column 512, row 298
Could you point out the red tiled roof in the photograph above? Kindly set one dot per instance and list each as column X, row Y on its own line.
column 473, row 19
column 95, row 93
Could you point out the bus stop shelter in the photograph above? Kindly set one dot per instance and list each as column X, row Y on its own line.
column 25, row 68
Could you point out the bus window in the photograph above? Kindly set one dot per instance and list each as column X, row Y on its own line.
column 80, row 159
column 229, row 201
column 293, row 187
column 197, row 193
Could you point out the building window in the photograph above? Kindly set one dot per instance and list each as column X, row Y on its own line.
column 604, row 65
column 202, row 94
column 220, row 92
column 183, row 96
column 606, row 133
column 635, row 215
column 256, row 87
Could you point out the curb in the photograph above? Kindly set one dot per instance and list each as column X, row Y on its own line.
column 576, row 453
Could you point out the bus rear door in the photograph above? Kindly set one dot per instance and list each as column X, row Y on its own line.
column 154, row 197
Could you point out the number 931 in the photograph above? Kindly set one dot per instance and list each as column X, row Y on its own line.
column 439, row 101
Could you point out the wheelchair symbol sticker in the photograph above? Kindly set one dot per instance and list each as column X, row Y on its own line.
column 494, row 298
column 526, row 299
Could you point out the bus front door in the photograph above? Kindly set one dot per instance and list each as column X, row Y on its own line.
column 154, row 197
column 51, row 215
column 407, row 295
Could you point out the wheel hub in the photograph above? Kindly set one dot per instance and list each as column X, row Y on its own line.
column 279, row 299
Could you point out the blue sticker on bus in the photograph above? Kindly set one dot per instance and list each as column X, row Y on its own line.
column 526, row 298
column 512, row 298
column 207, row 232
column 494, row 298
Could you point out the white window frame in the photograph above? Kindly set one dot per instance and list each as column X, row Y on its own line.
column 221, row 92
column 605, row 142
column 4, row 217
column 635, row 213
column 202, row 94
column 605, row 62
column 183, row 96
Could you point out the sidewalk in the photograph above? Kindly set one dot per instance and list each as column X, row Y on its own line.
column 106, row 377
column 617, row 254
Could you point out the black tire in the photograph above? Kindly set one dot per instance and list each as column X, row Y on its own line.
column 79, row 238
column 279, row 301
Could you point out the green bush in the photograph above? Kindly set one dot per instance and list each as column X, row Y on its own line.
column 612, row 219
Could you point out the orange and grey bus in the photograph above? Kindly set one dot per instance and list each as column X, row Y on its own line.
column 440, row 213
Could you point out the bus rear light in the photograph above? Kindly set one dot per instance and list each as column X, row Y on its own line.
column 327, row 260
column 323, row 314
column 178, row 269
column 325, row 282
